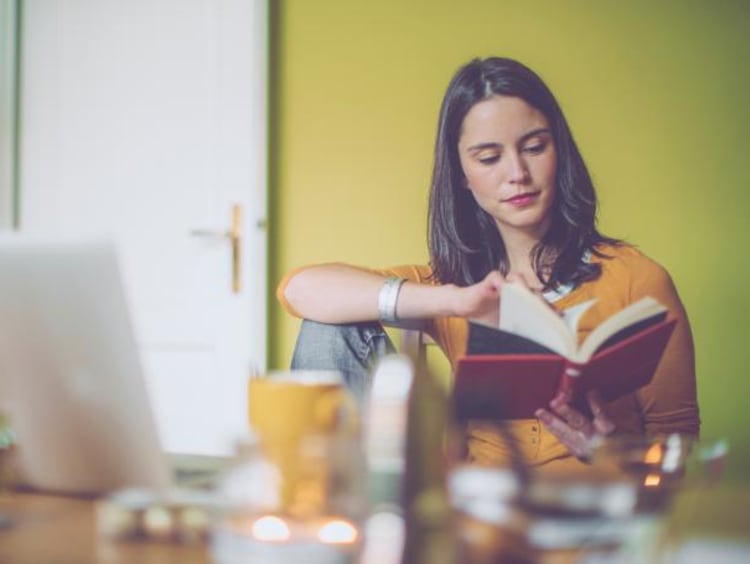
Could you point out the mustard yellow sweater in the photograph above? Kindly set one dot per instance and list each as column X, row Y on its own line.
column 668, row 404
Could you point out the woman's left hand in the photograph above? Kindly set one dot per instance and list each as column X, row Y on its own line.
column 575, row 430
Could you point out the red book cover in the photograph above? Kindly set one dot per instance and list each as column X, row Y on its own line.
column 513, row 376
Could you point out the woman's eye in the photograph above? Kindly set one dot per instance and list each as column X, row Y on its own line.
column 489, row 159
column 535, row 149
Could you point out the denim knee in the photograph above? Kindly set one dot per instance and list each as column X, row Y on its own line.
column 350, row 348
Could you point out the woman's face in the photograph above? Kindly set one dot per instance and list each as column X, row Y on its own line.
column 509, row 160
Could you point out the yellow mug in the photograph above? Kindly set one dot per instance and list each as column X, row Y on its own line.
column 288, row 408
column 285, row 405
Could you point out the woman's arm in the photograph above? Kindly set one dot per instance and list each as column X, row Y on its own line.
column 669, row 403
column 340, row 293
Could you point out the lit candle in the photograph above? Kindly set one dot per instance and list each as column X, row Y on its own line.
column 338, row 531
column 271, row 529
column 653, row 454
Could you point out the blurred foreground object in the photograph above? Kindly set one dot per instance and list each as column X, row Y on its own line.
column 300, row 505
column 140, row 514
column 385, row 427
column 7, row 448
column 664, row 465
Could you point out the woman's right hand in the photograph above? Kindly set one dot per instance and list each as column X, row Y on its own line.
column 480, row 302
column 572, row 428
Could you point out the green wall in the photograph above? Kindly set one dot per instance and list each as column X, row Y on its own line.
column 656, row 94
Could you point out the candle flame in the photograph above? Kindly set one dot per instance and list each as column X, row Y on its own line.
column 338, row 531
column 271, row 529
column 653, row 454
column 652, row 480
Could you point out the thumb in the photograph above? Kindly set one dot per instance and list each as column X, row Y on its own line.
column 494, row 279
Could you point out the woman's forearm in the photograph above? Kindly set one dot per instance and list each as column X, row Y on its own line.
column 338, row 293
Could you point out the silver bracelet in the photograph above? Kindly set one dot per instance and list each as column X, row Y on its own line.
column 388, row 298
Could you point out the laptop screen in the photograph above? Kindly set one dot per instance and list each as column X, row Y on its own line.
column 70, row 375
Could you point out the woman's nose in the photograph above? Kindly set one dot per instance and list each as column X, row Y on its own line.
column 519, row 172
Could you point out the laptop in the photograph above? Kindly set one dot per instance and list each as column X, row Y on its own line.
column 71, row 380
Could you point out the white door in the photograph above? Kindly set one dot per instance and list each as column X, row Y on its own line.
column 144, row 120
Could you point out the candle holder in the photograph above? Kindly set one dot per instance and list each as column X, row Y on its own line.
column 301, row 503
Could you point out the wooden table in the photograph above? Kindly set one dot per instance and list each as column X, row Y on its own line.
column 48, row 529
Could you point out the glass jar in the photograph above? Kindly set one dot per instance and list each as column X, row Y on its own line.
column 301, row 503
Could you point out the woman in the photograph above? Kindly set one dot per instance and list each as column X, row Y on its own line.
column 511, row 199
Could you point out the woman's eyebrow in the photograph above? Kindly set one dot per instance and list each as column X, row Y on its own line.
column 522, row 139
column 534, row 133
column 487, row 145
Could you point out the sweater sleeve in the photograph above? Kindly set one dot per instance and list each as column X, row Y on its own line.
column 669, row 402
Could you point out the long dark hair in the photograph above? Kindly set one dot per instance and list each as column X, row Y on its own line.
column 464, row 241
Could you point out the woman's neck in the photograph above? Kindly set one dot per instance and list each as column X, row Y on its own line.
column 519, row 247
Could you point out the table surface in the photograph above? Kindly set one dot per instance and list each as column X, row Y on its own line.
column 49, row 529
column 56, row 529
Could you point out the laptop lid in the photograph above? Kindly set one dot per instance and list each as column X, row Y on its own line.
column 70, row 373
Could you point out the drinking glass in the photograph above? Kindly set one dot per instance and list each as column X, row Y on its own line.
column 512, row 512
column 661, row 465
column 674, row 476
column 310, row 514
column 296, row 491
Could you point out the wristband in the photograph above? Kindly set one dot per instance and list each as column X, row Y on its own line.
column 388, row 298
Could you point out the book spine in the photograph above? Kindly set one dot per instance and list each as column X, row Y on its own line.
column 569, row 378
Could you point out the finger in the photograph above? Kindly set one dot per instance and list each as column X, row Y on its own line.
column 595, row 402
column 495, row 279
column 602, row 423
column 576, row 443
column 573, row 417
column 605, row 427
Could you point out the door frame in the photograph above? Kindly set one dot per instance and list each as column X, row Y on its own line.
column 10, row 14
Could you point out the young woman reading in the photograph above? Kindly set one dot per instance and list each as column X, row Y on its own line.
column 511, row 199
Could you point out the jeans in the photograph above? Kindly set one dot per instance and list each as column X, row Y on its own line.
column 351, row 349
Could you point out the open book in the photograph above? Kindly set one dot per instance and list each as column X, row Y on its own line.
column 511, row 371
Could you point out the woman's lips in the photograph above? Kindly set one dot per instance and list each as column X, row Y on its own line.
column 522, row 200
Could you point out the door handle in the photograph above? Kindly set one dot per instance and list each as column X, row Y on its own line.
column 234, row 234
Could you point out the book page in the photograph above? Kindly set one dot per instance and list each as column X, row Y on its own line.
column 525, row 314
column 644, row 308
column 573, row 314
